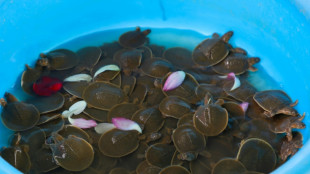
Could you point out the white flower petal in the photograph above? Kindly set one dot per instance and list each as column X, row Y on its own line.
column 78, row 107
column 236, row 85
column 102, row 128
column 78, row 78
column 111, row 67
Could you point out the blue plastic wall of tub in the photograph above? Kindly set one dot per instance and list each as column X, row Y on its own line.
column 274, row 30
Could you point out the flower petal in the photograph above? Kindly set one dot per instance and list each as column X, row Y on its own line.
column 174, row 80
column 126, row 124
column 78, row 107
column 102, row 128
column 244, row 106
column 111, row 67
column 78, row 78
column 82, row 123
column 236, row 83
column 67, row 114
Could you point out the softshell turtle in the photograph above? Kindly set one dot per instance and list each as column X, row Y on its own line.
column 257, row 155
column 61, row 59
column 212, row 50
column 160, row 155
column 134, row 39
column 228, row 165
column 175, row 170
column 275, row 102
column 72, row 153
column 18, row 116
column 188, row 141
column 236, row 63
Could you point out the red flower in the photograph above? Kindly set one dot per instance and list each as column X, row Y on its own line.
column 46, row 86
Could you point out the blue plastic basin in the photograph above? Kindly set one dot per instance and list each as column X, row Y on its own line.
column 276, row 31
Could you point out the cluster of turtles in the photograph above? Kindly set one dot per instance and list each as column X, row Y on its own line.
column 201, row 126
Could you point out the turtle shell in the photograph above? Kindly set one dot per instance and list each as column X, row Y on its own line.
column 188, row 141
column 186, row 90
column 150, row 118
column 47, row 104
column 186, row 119
column 174, row 106
column 109, row 49
column 138, row 94
column 237, row 63
column 54, row 125
column 43, row 160
column 242, row 93
column 156, row 67
column 257, row 155
column 210, row 51
column 275, row 102
column 72, row 153
column 131, row 161
column 198, row 166
column 29, row 76
column 73, row 130
column 128, row 84
column 134, row 39
column 154, row 97
column 19, row 116
column 211, row 119
column 128, row 58
column 18, row 157
column 160, row 155
column 102, row 95
column 62, row 59
column 119, row 171
column 89, row 57
column 179, row 57
column 118, row 143
column 75, row 88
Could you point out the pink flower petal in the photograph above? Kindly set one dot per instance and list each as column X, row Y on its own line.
column 126, row 124
column 82, row 123
column 231, row 75
column 244, row 106
column 174, row 80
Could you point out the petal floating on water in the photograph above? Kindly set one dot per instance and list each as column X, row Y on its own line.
column 174, row 80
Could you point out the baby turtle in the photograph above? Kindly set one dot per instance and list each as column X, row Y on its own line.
column 89, row 57
column 119, row 171
column 236, row 63
column 72, row 153
column 212, row 50
column 61, row 59
column 228, row 166
column 188, row 141
column 257, row 155
column 275, row 102
column 18, row 116
column 128, row 59
column 284, row 124
column 102, row 95
column 42, row 160
column 151, row 119
column 156, row 67
column 30, row 76
column 75, row 88
column 160, row 155
column 18, row 157
column 118, row 143
column 174, row 170
column 73, row 130
column 134, row 39
column 47, row 104
column 179, row 57
column 174, row 106
column 186, row 90
column 242, row 93
column 131, row 161
column 138, row 94
column 289, row 148
column 157, row 50
column 186, row 119
column 210, row 119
